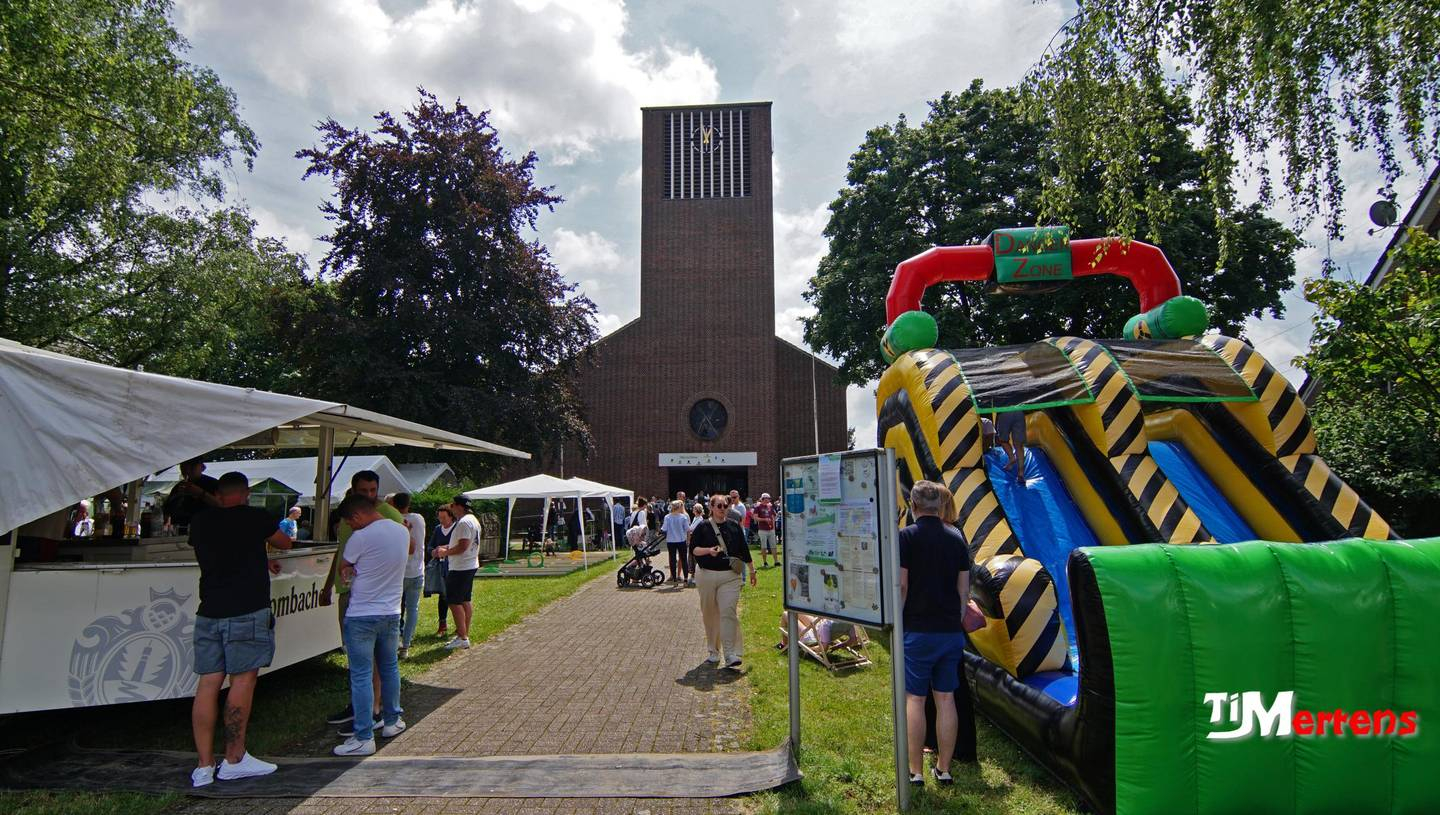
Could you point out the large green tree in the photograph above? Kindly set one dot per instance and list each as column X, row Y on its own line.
column 199, row 295
column 1293, row 82
column 1375, row 353
column 97, row 109
column 446, row 307
column 977, row 163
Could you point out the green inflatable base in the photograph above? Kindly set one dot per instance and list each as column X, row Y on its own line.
column 1284, row 637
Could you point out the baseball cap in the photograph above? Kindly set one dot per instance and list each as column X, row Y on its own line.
column 764, row 495
column 462, row 500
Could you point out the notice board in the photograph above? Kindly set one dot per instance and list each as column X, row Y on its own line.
column 840, row 545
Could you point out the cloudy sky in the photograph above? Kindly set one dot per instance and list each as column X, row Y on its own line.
column 567, row 79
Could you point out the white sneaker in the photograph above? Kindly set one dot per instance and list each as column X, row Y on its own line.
column 457, row 643
column 201, row 776
column 247, row 767
column 355, row 747
column 390, row 731
column 714, row 658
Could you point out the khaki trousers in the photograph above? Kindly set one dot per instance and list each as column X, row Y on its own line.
column 719, row 598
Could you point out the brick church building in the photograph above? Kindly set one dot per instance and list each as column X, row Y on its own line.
column 698, row 393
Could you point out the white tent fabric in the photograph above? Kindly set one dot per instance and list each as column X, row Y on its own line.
column 548, row 488
column 535, row 486
column 596, row 489
column 75, row 428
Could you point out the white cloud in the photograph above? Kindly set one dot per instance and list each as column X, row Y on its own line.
column 799, row 245
column 858, row 56
column 609, row 322
column 577, row 253
column 297, row 238
column 556, row 74
column 860, row 412
column 602, row 271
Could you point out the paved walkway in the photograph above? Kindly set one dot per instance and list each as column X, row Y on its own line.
column 602, row 671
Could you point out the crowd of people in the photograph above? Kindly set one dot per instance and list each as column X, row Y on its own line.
column 383, row 565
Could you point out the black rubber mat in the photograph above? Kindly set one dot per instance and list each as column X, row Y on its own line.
column 635, row 775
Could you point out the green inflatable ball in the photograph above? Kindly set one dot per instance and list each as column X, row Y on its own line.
column 911, row 331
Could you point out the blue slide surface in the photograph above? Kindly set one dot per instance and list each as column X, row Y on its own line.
column 1200, row 492
column 1045, row 519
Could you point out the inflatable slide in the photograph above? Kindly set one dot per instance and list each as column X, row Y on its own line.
column 1094, row 569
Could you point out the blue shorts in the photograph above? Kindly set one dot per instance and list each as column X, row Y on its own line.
column 1010, row 426
column 932, row 662
column 234, row 645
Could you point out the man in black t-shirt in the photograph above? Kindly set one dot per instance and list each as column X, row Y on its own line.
column 194, row 493
column 233, row 627
column 934, row 587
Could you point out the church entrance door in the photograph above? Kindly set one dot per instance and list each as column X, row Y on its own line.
column 694, row 480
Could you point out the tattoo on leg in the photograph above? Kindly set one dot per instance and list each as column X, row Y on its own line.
column 234, row 725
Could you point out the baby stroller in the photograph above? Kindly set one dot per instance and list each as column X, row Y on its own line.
column 637, row 571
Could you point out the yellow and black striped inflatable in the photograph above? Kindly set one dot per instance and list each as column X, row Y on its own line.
column 926, row 414
column 1023, row 632
column 1115, row 424
column 1280, row 423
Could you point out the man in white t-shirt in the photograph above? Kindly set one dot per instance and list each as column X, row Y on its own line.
column 464, row 555
column 414, row 571
column 374, row 562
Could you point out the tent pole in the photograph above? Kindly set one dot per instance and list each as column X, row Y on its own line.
column 610, row 522
column 580, row 519
column 320, row 516
column 7, row 571
column 544, row 524
column 509, row 514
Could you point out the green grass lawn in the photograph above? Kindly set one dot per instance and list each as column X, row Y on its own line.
column 289, row 704
column 847, row 736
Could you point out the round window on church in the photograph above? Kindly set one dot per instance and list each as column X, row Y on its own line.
column 708, row 419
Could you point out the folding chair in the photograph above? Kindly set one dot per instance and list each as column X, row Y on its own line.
column 841, row 652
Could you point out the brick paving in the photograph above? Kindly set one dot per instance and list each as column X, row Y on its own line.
column 601, row 671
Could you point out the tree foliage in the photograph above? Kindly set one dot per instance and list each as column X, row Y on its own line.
column 198, row 295
column 97, row 109
column 445, row 309
column 1382, row 339
column 1387, row 450
column 1375, row 354
column 1299, row 80
column 976, row 164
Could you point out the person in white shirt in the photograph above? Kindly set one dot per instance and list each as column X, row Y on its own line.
column 463, row 552
column 676, row 527
column 374, row 562
column 84, row 524
column 414, row 571
column 641, row 515
column 617, row 522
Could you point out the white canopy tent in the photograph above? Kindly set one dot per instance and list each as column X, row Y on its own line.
column 548, row 488
column 75, row 428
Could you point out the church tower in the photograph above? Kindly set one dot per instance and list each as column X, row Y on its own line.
column 697, row 393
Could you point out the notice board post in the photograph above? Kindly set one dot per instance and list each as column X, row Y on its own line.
column 840, row 561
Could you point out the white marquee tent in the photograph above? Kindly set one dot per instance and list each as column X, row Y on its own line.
column 75, row 428
column 549, row 488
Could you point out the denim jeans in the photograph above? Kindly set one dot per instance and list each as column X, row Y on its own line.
column 371, row 643
column 410, row 609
